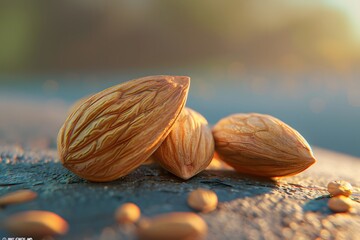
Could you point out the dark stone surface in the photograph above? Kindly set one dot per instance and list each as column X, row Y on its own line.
column 249, row 208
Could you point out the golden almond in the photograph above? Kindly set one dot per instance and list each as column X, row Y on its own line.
column 203, row 200
column 174, row 226
column 127, row 213
column 261, row 145
column 116, row 130
column 36, row 224
column 340, row 204
column 16, row 197
column 189, row 147
column 339, row 188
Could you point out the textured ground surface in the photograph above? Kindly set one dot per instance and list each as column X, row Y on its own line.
column 249, row 208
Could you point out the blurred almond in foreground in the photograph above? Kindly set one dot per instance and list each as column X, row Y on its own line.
column 127, row 213
column 36, row 224
column 261, row 145
column 174, row 226
column 19, row 196
column 203, row 200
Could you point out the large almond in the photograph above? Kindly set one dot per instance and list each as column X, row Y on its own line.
column 189, row 147
column 261, row 145
column 114, row 131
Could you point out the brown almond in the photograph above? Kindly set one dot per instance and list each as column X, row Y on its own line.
column 174, row 226
column 203, row 200
column 189, row 147
column 261, row 145
column 16, row 197
column 116, row 130
column 127, row 213
column 36, row 224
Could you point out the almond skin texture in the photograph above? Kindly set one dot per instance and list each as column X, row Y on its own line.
column 189, row 147
column 261, row 145
column 116, row 130
column 37, row 224
column 174, row 226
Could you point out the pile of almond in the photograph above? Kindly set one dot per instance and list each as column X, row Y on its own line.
column 111, row 133
column 340, row 191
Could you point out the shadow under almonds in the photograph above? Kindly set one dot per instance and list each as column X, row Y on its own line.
column 157, row 191
column 318, row 205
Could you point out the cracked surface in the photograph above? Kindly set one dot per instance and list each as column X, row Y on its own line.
column 249, row 208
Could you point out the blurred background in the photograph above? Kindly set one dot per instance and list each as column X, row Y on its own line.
column 296, row 60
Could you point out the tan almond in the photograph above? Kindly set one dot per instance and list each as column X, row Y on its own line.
column 261, row 145
column 339, row 188
column 127, row 213
column 189, row 147
column 174, row 226
column 36, row 224
column 116, row 130
column 16, row 197
column 203, row 200
column 340, row 204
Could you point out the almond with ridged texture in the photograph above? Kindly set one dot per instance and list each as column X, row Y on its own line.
column 127, row 213
column 340, row 204
column 189, row 147
column 116, row 130
column 203, row 200
column 36, row 224
column 261, row 145
column 174, row 226
column 16, row 197
column 339, row 188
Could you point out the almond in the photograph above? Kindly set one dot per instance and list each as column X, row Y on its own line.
column 340, row 188
column 261, row 145
column 127, row 213
column 36, row 224
column 189, row 147
column 116, row 130
column 203, row 200
column 174, row 226
column 340, row 204
column 19, row 196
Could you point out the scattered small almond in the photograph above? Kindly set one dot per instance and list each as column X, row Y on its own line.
column 36, row 224
column 203, row 200
column 340, row 204
column 127, row 213
column 174, row 226
column 16, row 197
column 339, row 188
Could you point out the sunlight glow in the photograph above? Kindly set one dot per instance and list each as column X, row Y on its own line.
column 352, row 9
